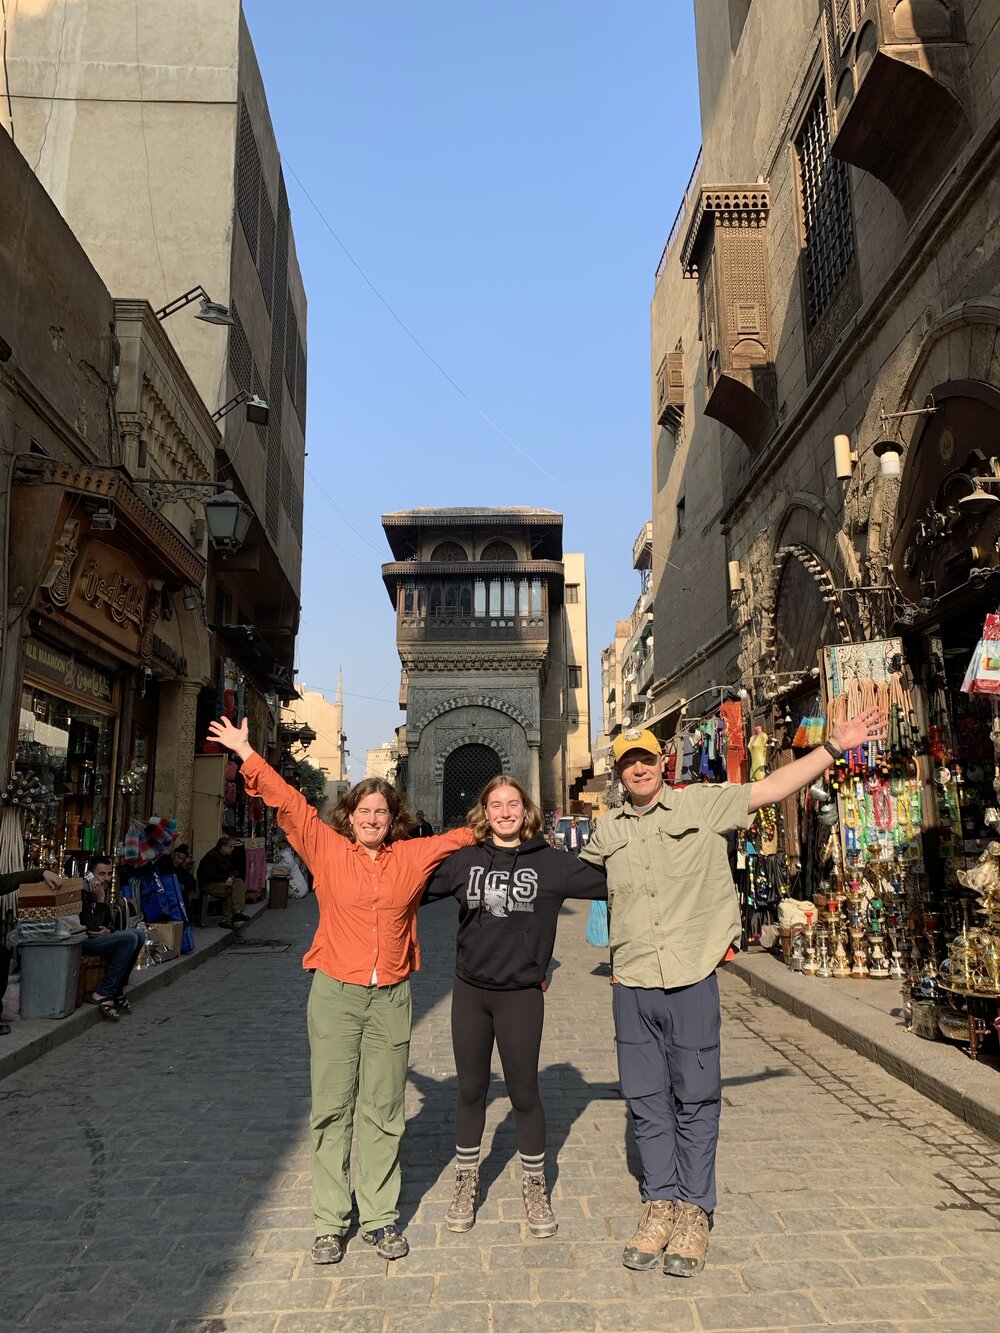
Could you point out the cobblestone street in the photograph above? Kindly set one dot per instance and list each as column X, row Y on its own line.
column 157, row 1176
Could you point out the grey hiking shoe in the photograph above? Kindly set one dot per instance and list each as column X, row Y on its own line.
column 461, row 1216
column 538, row 1210
column 328, row 1249
column 688, row 1246
column 389, row 1241
column 652, row 1235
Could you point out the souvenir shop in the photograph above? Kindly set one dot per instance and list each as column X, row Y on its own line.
column 884, row 870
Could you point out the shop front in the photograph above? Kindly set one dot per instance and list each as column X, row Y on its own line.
column 107, row 651
column 890, row 859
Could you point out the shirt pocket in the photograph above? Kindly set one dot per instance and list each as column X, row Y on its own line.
column 681, row 855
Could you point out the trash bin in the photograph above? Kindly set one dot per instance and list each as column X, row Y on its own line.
column 277, row 889
column 49, row 973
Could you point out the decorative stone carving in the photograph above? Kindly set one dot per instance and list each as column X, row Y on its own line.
column 502, row 702
column 454, row 738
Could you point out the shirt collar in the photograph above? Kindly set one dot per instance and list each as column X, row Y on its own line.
column 629, row 811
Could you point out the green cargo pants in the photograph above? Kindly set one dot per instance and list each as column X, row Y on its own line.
column 359, row 1042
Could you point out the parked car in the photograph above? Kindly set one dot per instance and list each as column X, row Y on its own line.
column 559, row 832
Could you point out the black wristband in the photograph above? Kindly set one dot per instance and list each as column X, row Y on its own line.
column 834, row 750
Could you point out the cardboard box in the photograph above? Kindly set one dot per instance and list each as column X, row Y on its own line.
column 169, row 933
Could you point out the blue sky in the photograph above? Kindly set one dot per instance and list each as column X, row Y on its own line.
column 505, row 173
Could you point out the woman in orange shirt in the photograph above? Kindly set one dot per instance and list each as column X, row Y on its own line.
column 368, row 879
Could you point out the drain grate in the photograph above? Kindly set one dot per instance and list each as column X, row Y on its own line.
column 244, row 947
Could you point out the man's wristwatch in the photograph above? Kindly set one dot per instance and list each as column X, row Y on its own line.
column 834, row 750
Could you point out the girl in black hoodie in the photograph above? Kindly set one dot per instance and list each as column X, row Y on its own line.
column 510, row 887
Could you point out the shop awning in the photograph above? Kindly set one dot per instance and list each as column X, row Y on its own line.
column 252, row 651
column 666, row 714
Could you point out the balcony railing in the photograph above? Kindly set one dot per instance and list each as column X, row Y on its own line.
column 514, row 628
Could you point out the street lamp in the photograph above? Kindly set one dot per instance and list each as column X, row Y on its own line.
column 227, row 518
column 210, row 312
column 297, row 735
column 258, row 412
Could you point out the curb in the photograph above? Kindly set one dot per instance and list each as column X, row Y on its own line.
column 35, row 1037
column 937, row 1069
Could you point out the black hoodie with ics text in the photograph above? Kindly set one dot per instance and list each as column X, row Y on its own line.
column 509, row 900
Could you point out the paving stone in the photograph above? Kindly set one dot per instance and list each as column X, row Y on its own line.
column 778, row 1310
column 512, row 1286
column 554, row 1254
column 230, row 1323
column 553, row 1316
column 465, row 1318
column 278, row 1296
column 597, row 1285
column 621, row 1317
column 329, row 1321
column 849, row 1306
column 794, row 1276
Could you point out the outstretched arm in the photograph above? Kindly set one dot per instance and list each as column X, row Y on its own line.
column 296, row 816
column 869, row 726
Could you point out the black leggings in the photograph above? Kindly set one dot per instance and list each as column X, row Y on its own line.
column 514, row 1019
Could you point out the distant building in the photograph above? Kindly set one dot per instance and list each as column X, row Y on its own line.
column 383, row 762
column 491, row 631
column 329, row 750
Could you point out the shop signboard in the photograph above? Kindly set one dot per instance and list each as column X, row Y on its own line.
column 67, row 674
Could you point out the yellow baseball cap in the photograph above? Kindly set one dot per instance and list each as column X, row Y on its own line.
column 634, row 738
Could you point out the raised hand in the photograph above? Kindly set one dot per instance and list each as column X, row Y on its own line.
column 232, row 738
column 871, row 725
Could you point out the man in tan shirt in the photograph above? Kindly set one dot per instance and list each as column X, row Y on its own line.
column 674, row 917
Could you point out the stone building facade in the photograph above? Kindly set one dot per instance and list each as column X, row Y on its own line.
column 834, row 270
column 483, row 639
column 171, row 132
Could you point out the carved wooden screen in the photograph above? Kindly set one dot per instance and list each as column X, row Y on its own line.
column 828, row 225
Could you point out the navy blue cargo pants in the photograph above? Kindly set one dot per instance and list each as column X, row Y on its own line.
column 668, row 1064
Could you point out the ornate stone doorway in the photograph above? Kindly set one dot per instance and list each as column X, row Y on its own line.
column 466, row 772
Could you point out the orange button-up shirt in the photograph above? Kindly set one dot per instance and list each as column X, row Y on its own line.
column 367, row 909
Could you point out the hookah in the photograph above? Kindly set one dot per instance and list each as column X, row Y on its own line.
column 823, row 936
column 856, row 932
column 878, row 964
column 810, row 967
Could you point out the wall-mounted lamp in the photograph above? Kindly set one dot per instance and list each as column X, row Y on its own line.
column 291, row 734
column 228, row 521
column 258, row 412
column 192, row 599
column 888, row 453
column 844, row 457
column 227, row 518
column 735, row 574
column 210, row 312
column 103, row 519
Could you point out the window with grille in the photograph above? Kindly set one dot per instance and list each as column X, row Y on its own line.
column 240, row 357
column 448, row 551
column 572, row 592
column 247, row 179
column 827, row 223
column 498, row 551
column 575, row 677
column 466, row 772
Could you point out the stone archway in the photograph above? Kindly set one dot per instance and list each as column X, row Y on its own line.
column 466, row 772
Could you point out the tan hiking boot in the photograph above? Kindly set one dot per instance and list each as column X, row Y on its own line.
column 461, row 1216
column 688, row 1246
column 541, row 1218
column 652, row 1235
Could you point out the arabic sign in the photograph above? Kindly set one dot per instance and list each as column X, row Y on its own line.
column 64, row 671
column 110, row 596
